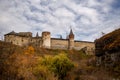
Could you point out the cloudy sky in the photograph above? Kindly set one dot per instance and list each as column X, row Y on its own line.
column 88, row 18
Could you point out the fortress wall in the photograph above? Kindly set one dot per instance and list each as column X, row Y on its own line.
column 25, row 34
column 59, row 44
column 21, row 40
column 88, row 47
column 36, row 41
column 25, row 40
column 47, row 42
column 17, row 40
column 81, row 44
column 33, row 40
column 9, row 38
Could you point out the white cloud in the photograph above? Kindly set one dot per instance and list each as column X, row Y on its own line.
column 62, row 13
column 88, row 18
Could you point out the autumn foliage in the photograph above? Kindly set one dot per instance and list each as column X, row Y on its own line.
column 21, row 63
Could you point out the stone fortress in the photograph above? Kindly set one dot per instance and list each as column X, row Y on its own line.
column 45, row 41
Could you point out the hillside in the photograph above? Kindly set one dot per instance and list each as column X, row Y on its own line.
column 107, row 51
column 109, row 42
column 33, row 63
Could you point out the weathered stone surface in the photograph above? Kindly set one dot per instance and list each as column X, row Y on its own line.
column 25, row 38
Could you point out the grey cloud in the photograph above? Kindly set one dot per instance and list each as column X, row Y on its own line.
column 88, row 18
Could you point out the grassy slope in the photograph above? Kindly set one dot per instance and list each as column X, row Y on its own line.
column 110, row 43
column 84, row 64
column 111, row 40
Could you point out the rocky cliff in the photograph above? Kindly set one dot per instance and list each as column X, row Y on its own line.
column 108, row 43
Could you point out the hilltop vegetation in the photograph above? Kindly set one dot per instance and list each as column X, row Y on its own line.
column 33, row 63
column 111, row 41
column 20, row 63
column 107, row 50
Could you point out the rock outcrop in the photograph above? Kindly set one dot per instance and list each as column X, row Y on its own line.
column 107, row 48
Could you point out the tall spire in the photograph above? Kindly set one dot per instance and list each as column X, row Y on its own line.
column 37, row 34
column 71, row 39
column 71, row 35
column 71, row 32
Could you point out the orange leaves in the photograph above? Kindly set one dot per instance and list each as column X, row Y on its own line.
column 29, row 50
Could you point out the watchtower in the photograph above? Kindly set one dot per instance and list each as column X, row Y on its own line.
column 71, row 40
column 46, row 40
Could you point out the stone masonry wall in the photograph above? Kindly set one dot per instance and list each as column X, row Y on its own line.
column 81, row 44
column 17, row 40
column 47, row 42
column 59, row 44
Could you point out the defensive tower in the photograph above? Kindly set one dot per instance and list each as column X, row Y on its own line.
column 46, row 40
column 71, row 40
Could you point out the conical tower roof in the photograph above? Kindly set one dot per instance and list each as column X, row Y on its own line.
column 71, row 35
column 37, row 35
column 71, row 32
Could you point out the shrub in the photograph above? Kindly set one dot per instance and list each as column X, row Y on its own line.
column 29, row 50
column 42, row 73
column 60, row 64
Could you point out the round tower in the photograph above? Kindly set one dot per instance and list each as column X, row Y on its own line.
column 46, row 40
column 71, row 40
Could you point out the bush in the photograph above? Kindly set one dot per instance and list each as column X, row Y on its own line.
column 22, row 63
column 60, row 64
column 42, row 73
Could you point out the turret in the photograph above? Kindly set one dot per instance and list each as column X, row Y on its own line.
column 37, row 35
column 46, row 39
column 71, row 40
